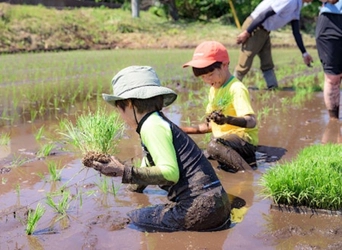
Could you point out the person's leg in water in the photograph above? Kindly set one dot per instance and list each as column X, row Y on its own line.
column 267, row 65
column 233, row 153
column 332, row 85
column 209, row 211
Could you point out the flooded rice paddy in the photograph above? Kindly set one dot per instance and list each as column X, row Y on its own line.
column 95, row 217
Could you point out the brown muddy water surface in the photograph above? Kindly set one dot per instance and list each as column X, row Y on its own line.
column 96, row 220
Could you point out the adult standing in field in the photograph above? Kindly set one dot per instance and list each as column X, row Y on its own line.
column 329, row 46
column 255, row 39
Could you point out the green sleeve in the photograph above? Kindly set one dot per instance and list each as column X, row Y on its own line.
column 156, row 135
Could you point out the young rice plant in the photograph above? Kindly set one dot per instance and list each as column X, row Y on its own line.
column 33, row 217
column 94, row 131
column 313, row 179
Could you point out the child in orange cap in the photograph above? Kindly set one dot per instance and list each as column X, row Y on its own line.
column 234, row 126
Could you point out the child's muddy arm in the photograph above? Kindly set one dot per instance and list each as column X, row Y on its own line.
column 144, row 176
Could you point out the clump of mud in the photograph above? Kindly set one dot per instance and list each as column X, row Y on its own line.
column 95, row 156
column 110, row 221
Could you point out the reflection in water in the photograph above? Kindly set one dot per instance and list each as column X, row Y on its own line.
column 238, row 209
column 332, row 132
column 34, row 243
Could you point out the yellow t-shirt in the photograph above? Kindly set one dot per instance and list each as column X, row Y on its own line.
column 240, row 105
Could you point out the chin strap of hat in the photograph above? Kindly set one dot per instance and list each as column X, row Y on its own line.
column 135, row 115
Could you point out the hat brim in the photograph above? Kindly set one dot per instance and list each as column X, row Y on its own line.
column 199, row 63
column 144, row 93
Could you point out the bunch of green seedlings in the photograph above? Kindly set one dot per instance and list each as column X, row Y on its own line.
column 313, row 179
column 62, row 206
column 222, row 99
column 55, row 171
column 33, row 217
column 94, row 131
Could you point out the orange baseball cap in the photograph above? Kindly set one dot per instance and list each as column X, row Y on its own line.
column 207, row 53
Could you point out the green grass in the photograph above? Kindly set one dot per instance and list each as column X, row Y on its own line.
column 312, row 179
column 84, row 28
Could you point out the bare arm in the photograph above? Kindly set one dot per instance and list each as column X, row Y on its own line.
column 298, row 37
column 199, row 129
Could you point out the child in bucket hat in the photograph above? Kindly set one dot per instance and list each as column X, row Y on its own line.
column 172, row 160
column 234, row 128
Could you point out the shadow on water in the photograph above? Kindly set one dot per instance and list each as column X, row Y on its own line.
column 97, row 220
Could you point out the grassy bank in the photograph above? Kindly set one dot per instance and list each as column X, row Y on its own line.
column 37, row 28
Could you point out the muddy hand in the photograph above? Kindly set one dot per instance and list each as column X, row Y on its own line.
column 113, row 168
column 307, row 59
column 218, row 117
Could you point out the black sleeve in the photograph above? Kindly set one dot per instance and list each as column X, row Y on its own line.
column 297, row 35
column 260, row 19
column 237, row 121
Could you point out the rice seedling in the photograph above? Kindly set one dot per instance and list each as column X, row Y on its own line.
column 313, row 179
column 187, row 122
column 39, row 133
column 17, row 189
column 103, row 184
column 114, row 189
column 221, row 100
column 206, row 139
column 302, row 94
column 33, row 218
column 263, row 113
column 62, row 206
column 54, row 171
column 34, row 114
column 4, row 180
column 5, row 139
column 45, row 150
column 18, row 160
column 94, row 132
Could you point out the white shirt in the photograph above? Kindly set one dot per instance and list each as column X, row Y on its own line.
column 286, row 11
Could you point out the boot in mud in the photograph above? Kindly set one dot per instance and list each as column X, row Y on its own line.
column 334, row 113
column 271, row 79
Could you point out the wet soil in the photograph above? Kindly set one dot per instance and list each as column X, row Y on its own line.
column 97, row 219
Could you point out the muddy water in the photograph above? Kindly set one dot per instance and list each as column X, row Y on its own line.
column 97, row 220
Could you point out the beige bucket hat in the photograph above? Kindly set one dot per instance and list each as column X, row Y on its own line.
column 139, row 82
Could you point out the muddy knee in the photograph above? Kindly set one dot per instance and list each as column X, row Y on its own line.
column 213, row 149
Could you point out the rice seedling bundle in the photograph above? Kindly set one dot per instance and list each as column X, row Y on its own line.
column 95, row 132
column 313, row 179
